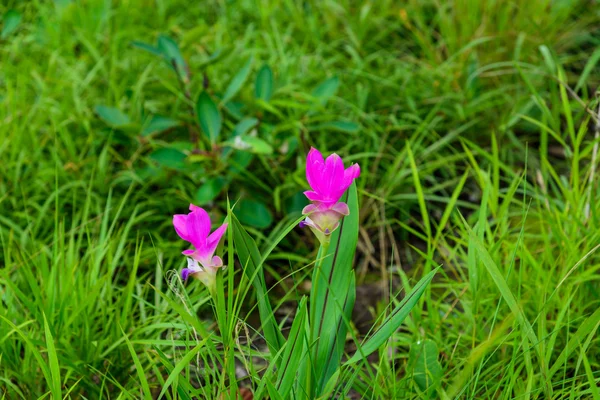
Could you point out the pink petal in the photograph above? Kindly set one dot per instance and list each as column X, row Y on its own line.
column 341, row 208
column 350, row 174
column 213, row 240
column 187, row 252
column 334, row 176
column 314, row 168
column 217, row 262
column 309, row 209
column 198, row 227
column 195, row 208
column 313, row 196
column 180, row 224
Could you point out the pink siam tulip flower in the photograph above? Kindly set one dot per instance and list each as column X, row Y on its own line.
column 328, row 180
column 195, row 228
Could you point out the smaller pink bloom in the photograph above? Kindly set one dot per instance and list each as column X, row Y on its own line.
column 195, row 229
column 328, row 178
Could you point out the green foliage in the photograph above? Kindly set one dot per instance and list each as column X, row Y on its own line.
column 479, row 109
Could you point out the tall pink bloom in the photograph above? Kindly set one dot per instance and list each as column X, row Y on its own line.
column 328, row 180
column 195, row 229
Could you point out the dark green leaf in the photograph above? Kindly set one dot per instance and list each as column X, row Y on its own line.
column 251, row 262
column 169, row 157
column 209, row 117
column 10, row 23
column 264, row 83
column 427, row 371
column 147, row 47
column 170, row 51
column 239, row 161
column 393, row 321
column 253, row 213
column 244, row 126
column 158, row 124
column 209, row 190
column 339, row 126
column 112, row 116
column 326, row 89
column 332, row 295
column 295, row 349
column 237, row 81
column 295, row 203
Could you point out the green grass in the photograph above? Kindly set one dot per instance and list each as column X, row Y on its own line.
column 471, row 121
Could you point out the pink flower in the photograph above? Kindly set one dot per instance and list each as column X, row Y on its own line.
column 195, row 228
column 327, row 178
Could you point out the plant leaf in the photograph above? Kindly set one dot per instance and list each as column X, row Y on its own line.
column 264, row 83
column 254, row 213
column 332, row 295
column 326, row 89
column 147, row 47
column 209, row 190
column 295, row 349
column 258, row 145
column 427, row 370
column 52, row 360
column 10, row 23
column 158, row 124
column 251, row 262
column 209, row 117
column 392, row 321
column 339, row 126
column 169, row 157
column 112, row 116
column 244, row 126
column 170, row 51
column 238, row 80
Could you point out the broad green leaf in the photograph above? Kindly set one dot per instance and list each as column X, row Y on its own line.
column 326, row 89
column 251, row 262
column 238, row 80
column 244, row 126
column 295, row 203
column 158, row 124
column 169, row 157
column 295, row 349
column 209, row 117
column 147, row 47
column 209, row 190
column 257, row 145
column 253, row 213
column 239, row 161
column 112, row 116
column 264, row 83
column 170, row 51
column 332, row 295
column 393, row 321
column 10, row 23
column 427, row 371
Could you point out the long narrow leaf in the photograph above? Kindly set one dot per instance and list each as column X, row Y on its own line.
column 294, row 351
column 331, row 295
column 251, row 261
column 393, row 321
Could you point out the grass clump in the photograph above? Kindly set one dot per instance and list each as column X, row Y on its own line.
column 475, row 125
